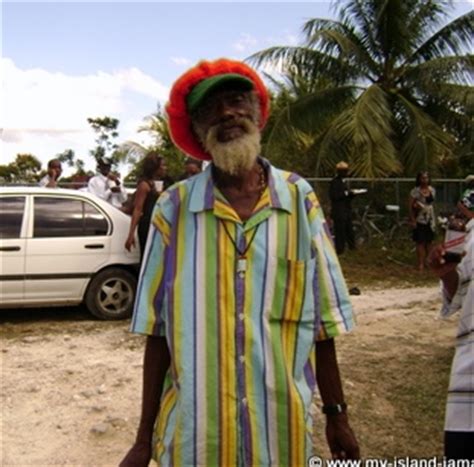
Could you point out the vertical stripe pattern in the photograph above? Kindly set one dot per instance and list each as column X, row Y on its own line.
column 241, row 344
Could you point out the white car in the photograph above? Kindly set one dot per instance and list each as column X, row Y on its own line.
column 65, row 247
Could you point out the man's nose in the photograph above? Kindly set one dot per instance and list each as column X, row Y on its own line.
column 227, row 110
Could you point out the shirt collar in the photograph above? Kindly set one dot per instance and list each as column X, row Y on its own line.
column 203, row 197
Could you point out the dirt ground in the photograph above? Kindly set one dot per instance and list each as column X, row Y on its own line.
column 70, row 388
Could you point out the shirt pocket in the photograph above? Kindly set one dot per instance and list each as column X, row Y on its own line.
column 293, row 298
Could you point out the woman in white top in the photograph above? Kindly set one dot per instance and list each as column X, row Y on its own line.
column 422, row 217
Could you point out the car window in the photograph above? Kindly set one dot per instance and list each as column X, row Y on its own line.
column 66, row 217
column 11, row 216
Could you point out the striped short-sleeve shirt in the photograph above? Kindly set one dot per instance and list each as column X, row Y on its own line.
column 460, row 403
column 241, row 328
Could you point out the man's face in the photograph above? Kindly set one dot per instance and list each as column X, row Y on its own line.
column 227, row 110
column 55, row 169
column 191, row 169
column 104, row 169
column 227, row 126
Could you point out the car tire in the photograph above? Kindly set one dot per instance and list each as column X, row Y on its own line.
column 111, row 294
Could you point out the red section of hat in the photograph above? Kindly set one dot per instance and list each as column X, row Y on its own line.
column 179, row 121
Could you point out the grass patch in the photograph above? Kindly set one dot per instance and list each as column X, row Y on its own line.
column 378, row 266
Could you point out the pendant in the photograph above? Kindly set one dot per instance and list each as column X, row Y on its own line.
column 241, row 266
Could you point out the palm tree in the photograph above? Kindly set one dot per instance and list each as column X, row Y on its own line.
column 386, row 86
column 156, row 126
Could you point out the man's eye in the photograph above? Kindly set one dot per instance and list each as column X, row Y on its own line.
column 238, row 99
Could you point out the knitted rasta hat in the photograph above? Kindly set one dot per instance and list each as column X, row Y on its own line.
column 193, row 86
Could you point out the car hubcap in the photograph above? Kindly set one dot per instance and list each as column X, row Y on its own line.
column 115, row 295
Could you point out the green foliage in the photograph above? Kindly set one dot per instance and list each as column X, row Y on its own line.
column 386, row 87
column 106, row 130
column 156, row 126
column 67, row 157
column 25, row 168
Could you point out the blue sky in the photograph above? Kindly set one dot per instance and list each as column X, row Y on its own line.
column 65, row 61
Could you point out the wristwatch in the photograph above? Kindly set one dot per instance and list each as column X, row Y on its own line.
column 334, row 409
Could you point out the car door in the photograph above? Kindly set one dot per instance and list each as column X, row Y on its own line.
column 69, row 242
column 12, row 249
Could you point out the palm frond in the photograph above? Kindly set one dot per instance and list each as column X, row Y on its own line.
column 366, row 133
column 458, row 69
column 424, row 18
column 424, row 141
column 454, row 39
column 453, row 96
column 359, row 17
column 310, row 113
column 133, row 151
column 306, row 61
column 460, row 125
column 338, row 39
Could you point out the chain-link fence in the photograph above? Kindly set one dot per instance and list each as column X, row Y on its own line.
column 393, row 191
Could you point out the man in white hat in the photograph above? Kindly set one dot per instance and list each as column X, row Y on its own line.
column 341, row 209
column 107, row 185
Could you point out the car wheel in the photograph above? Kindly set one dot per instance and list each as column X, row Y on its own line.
column 111, row 293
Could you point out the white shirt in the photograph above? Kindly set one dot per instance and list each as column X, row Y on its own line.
column 45, row 180
column 100, row 186
column 460, row 403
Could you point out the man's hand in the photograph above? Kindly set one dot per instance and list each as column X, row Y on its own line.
column 138, row 456
column 130, row 243
column 438, row 264
column 340, row 437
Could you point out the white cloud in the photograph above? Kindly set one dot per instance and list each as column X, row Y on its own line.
column 45, row 112
column 181, row 61
column 245, row 43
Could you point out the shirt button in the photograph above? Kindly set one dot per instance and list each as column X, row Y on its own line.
column 242, row 359
column 244, row 401
column 241, row 316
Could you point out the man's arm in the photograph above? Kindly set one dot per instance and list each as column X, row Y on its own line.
column 155, row 365
column 465, row 211
column 444, row 270
column 340, row 437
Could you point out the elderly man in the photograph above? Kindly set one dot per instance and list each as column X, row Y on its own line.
column 239, row 285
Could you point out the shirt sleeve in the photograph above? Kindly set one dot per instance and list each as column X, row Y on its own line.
column 465, row 272
column 123, row 194
column 149, row 316
column 94, row 187
column 334, row 309
column 44, row 181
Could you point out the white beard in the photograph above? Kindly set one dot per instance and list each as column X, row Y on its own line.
column 236, row 156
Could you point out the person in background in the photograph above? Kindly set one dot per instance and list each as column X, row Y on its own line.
column 191, row 167
column 458, row 295
column 107, row 185
column 164, row 177
column 341, row 209
column 422, row 216
column 149, row 187
column 466, row 203
column 240, row 293
column 50, row 180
